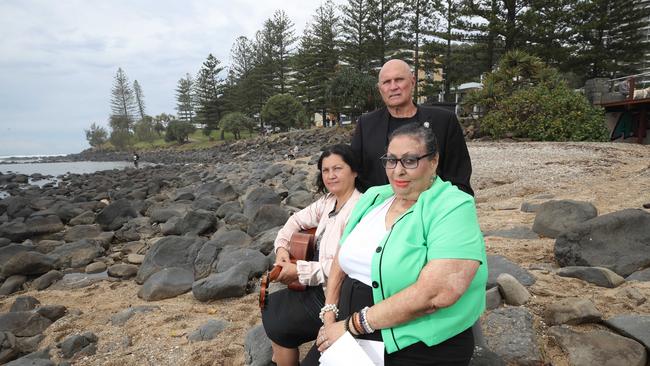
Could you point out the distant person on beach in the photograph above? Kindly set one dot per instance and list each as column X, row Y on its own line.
column 370, row 139
column 291, row 318
column 136, row 158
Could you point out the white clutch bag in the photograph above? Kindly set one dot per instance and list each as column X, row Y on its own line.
column 349, row 351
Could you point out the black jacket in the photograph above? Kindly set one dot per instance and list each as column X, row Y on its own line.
column 370, row 140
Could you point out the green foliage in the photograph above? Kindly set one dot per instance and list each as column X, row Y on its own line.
column 139, row 99
column 121, row 139
column 609, row 38
column 236, row 122
column 317, row 59
column 516, row 70
column 178, row 131
column 283, row 111
column 383, row 23
column 355, row 34
column 540, row 113
column 145, row 130
column 525, row 98
column 353, row 92
column 123, row 105
column 185, row 99
column 96, row 135
column 208, row 87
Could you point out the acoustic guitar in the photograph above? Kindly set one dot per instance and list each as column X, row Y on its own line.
column 301, row 247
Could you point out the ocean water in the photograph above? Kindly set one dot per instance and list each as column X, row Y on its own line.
column 56, row 169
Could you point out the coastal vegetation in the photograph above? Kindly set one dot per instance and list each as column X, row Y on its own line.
column 330, row 69
column 525, row 98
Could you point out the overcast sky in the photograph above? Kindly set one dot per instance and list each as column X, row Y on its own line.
column 58, row 58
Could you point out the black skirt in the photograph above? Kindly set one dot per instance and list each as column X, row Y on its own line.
column 456, row 351
column 291, row 317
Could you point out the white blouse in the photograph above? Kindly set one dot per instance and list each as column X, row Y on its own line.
column 355, row 255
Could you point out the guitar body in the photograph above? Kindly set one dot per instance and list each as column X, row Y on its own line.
column 301, row 247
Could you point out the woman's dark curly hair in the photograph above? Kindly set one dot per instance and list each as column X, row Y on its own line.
column 420, row 132
column 348, row 156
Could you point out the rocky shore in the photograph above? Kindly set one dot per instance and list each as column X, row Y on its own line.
column 160, row 265
column 269, row 148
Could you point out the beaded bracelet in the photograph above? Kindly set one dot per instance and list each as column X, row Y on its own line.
column 356, row 324
column 328, row 307
column 364, row 320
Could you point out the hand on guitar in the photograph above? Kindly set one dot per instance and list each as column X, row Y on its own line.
column 282, row 255
column 289, row 272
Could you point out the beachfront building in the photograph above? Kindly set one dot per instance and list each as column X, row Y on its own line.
column 645, row 63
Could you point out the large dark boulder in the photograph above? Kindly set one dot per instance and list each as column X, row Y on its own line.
column 264, row 241
column 122, row 270
column 80, row 232
column 231, row 283
column 267, row 217
column 619, row 241
column 300, row 199
column 66, row 211
column 52, row 312
column 9, row 251
column 498, row 264
column 221, row 190
column 510, row 334
column 258, row 197
column 598, row 347
column 86, row 218
column 76, row 254
column 208, row 203
column 46, row 280
column 195, row 222
column 28, row 263
column 167, row 283
column 85, row 344
column 44, row 225
column 113, row 216
column 632, row 326
column 228, row 208
column 16, row 206
column 12, row 284
column 31, row 227
column 24, row 303
column 170, row 251
column 8, row 347
column 206, row 258
column 555, row 217
column 163, row 214
column 252, row 260
column 23, row 323
column 258, row 347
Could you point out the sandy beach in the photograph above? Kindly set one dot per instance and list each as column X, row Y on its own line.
column 505, row 175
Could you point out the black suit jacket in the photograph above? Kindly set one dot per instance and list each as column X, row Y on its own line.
column 370, row 140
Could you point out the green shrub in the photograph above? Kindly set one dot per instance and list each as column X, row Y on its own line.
column 236, row 122
column 178, row 131
column 525, row 98
column 283, row 111
column 548, row 115
column 96, row 135
column 121, row 139
column 145, row 130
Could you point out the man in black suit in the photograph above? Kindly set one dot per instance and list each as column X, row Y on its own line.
column 396, row 82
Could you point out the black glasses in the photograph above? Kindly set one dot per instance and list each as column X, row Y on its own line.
column 408, row 162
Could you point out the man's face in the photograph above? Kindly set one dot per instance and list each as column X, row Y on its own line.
column 396, row 85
